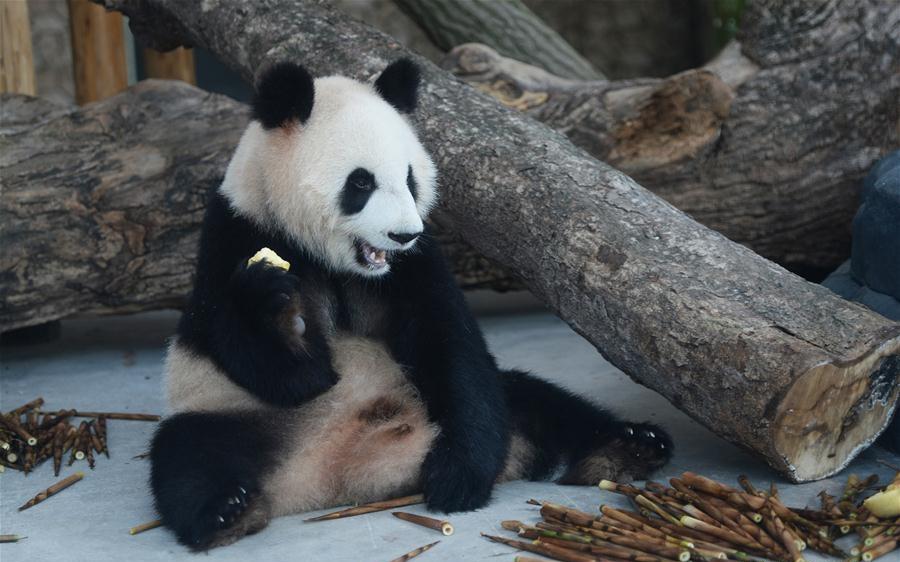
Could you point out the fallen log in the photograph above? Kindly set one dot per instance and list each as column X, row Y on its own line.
column 101, row 206
column 777, row 365
column 509, row 26
column 768, row 144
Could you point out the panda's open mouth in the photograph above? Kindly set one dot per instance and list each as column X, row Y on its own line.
column 370, row 256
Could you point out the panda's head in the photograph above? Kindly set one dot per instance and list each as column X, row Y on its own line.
column 335, row 164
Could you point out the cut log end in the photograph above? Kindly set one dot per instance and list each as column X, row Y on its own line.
column 835, row 410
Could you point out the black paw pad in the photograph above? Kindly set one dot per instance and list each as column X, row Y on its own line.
column 647, row 441
column 229, row 508
column 221, row 512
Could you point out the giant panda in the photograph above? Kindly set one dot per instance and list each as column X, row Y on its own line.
column 359, row 374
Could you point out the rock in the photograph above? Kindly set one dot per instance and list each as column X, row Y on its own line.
column 875, row 260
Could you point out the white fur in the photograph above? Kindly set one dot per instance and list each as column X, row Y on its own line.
column 293, row 176
column 337, row 451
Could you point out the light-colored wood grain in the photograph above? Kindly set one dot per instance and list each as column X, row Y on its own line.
column 98, row 51
column 16, row 66
column 174, row 65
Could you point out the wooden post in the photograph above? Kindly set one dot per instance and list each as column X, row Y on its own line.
column 177, row 64
column 16, row 68
column 98, row 51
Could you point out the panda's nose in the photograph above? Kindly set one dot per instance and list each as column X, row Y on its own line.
column 403, row 237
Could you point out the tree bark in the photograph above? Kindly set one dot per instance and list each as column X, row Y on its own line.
column 506, row 25
column 101, row 206
column 780, row 366
column 767, row 147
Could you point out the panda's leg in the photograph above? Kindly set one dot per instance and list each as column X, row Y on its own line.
column 206, row 476
column 555, row 431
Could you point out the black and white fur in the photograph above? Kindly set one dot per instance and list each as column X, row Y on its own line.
column 360, row 374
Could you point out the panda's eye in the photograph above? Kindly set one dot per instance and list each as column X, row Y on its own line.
column 361, row 180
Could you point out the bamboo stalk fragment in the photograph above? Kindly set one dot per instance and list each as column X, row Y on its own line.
column 52, row 490
column 30, row 405
column 12, row 423
column 413, row 553
column 369, row 508
column 145, row 527
column 101, row 433
column 547, row 550
column 117, row 415
column 442, row 526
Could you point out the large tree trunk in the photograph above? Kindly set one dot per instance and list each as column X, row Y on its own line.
column 506, row 25
column 768, row 144
column 101, row 206
column 778, row 365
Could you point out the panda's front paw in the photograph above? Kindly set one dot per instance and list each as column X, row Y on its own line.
column 455, row 482
column 269, row 297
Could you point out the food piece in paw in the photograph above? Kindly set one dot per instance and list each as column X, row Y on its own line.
column 269, row 256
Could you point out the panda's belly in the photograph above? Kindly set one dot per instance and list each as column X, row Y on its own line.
column 364, row 439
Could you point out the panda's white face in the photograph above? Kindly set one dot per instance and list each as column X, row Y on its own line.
column 351, row 183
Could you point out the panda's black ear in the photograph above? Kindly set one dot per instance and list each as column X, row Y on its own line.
column 284, row 94
column 399, row 85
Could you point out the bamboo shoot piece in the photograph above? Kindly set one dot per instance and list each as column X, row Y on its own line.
column 52, row 490
column 145, row 527
column 443, row 526
column 369, row 508
column 413, row 553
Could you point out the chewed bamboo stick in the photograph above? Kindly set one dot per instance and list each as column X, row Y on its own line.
column 12, row 422
column 117, row 416
column 32, row 405
column 443, row 526
column 547, row 550
column 369, row 508
column 11, row 538
column 52, row 490
column 413, row 553
column 145, row 527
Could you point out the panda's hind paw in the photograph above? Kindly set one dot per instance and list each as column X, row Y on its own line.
column 238, row 511
column 649, row 445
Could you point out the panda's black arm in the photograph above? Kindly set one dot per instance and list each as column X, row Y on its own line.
column 435, row 335
column 243, row 318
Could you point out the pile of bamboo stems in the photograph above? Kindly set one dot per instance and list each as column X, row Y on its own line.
column 29, row 436
column 697, row 518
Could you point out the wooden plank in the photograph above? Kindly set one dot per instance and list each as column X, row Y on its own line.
column 16, row 66
column 177, row 64
column 98, row 51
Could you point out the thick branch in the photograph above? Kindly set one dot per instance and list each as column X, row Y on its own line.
column 101, row 206
column 783, row 367
column 769, row 153
column 506, row 25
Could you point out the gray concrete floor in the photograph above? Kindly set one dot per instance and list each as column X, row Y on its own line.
column 115, row 364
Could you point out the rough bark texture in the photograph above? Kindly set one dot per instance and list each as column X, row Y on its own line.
column 768, row 144
column 506, row 25
column 101, row 206
column 778, row 365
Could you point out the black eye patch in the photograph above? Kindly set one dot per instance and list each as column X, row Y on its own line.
column 357, row 189
column 411, row 184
